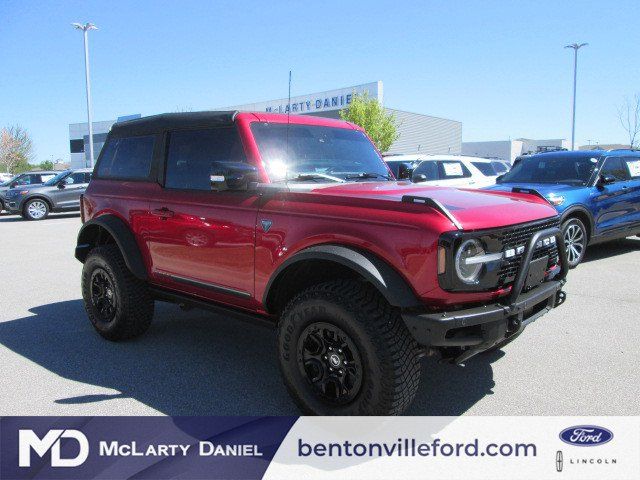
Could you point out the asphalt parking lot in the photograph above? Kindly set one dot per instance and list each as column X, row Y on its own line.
column 582, row 359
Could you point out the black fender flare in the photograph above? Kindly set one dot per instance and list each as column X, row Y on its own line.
column 376, row 271
column 584, row 211
column 123, row 237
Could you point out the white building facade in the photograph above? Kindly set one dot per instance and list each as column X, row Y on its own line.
column 419, row 133
column 511, row 149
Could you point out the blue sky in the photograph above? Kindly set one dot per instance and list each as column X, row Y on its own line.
column 499, row 67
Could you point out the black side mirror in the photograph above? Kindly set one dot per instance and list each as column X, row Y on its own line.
column 420, row 177
column 233, row 176
column 13, row 185
column 61, row 185
column 605, row 179
column 499, row 178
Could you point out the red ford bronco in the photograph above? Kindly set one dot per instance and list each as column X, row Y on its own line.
column 298, row 221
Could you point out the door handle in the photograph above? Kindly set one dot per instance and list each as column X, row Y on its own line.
column 163, row 212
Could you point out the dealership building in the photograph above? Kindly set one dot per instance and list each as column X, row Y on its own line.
column 512, row 149
column 419, row 133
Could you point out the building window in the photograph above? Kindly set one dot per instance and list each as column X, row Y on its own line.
column 76, row 146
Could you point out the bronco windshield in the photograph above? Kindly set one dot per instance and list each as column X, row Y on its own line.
column 551, row 169
column 318, row 154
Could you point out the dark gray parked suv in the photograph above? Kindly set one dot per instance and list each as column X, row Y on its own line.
column 21, row 179
column 60, row 193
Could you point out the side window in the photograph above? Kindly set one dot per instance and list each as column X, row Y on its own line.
column 128, row 157
column 453, row 169
column 428, row 169
column 615, row 167
column 46, row 177
column 24, row 180
column 77, row 177
column 191, row 153
column 633, row 164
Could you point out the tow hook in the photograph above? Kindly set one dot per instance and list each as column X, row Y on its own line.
column 561, row 296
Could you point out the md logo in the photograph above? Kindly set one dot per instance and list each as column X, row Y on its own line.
column 28, row 440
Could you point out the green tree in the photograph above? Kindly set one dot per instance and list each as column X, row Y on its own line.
column 16, row 149
column 46, row 165
column 370, row 115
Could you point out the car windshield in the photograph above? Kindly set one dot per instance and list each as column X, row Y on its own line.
column 316, row 153
column 10, row 181
column 56, row 179
column 551, row 169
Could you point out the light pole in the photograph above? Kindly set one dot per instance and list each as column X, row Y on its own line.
column 575, row 48
column 85, row 30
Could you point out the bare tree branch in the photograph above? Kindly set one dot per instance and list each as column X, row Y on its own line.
column 629, row 115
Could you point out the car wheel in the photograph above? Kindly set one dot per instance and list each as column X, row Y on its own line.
column 575, row 241
column 343, row 350
column 36, row 209
column 118, row 304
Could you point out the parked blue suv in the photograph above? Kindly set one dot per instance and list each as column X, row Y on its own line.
column 596, row 193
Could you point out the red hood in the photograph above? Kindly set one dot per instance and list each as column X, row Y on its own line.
column 473, row 209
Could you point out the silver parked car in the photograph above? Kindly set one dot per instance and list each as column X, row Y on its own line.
column 22, row 179
column 60, row 193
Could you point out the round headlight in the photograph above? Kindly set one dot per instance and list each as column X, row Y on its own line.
column 469, row 272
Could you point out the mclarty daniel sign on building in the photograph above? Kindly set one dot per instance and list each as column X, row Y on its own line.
column 315, row 102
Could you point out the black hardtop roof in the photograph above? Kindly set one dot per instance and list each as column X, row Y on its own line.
column 167, row 121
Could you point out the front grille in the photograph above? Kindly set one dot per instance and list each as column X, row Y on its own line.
column 520, row 235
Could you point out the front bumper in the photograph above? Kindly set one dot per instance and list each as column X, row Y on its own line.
column 13, row 205
column 479, row 328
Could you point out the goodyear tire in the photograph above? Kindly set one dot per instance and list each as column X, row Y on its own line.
column 343, row 350
column 118, row 304
column 575, row 240
column 35, row 209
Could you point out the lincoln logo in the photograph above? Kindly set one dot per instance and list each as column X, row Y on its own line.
column 28, row 440
column 559, row 461
column 586, row 435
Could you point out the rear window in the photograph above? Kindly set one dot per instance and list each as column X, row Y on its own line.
column 128, row 158
column 485, row 168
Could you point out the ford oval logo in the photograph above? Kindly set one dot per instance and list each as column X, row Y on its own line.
column 585, row 435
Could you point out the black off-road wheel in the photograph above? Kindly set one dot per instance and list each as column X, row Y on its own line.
column 343, row 350
column 36, row 209
column 118, row 304
column 575, row 241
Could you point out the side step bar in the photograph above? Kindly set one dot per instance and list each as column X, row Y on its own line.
column 193, row 302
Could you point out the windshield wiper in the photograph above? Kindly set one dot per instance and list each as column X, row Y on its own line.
column 366, row 175
column 301, row 177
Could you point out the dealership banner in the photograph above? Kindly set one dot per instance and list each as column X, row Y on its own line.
column 320, row 447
